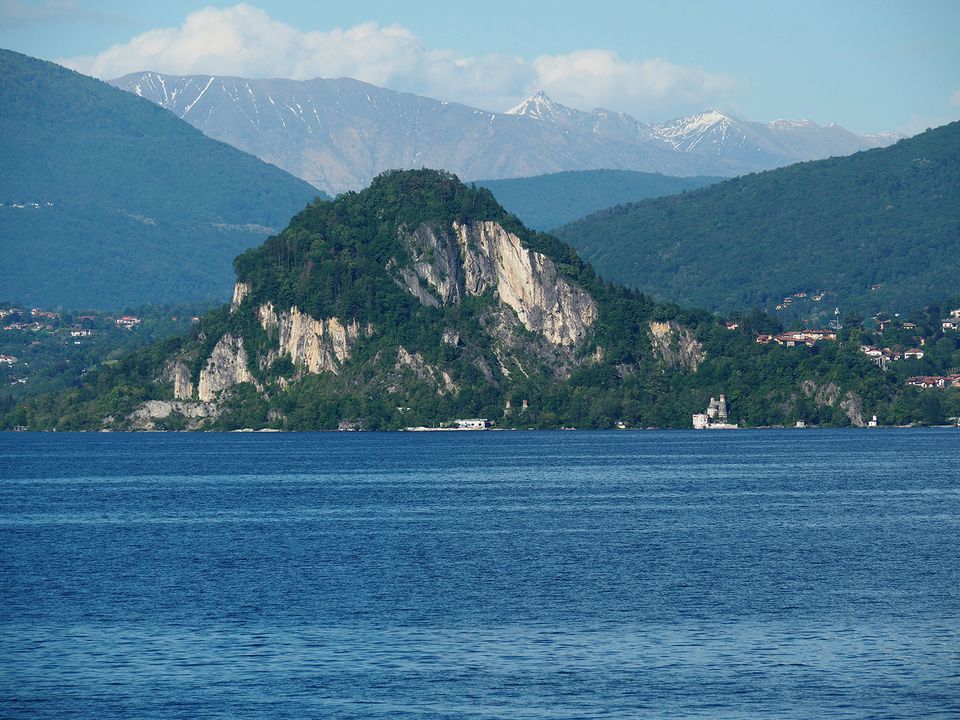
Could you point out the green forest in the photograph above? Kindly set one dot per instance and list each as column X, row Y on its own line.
column 108, row 200
column 876, row 231
column 545, row 202
column 335, row 260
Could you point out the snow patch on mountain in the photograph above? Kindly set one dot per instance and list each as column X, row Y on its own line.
column 339, row 134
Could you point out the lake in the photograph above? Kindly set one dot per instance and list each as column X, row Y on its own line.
column 674, row 574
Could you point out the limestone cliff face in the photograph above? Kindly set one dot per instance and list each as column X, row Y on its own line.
column 676, row 346
column 852, row 405
column 176, row 372
column 438, row 377
column 240, row 291
column 465, row 259
column 226, row 367
column 480, row 256
column 436, row 261
column 316, row 345
column 182, row 387
column 144, row 417
column 829, row 394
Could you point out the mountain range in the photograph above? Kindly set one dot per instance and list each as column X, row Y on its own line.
column 339, row 134
column 108, row 201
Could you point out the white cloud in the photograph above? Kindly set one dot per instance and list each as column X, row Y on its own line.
column 593, row 78
column 245, row 41
column 955, row 99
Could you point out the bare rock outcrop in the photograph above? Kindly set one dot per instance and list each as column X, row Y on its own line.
column 316, row 345
column 425, row 371
column 852, row 405
column 177, row 373
column 146, row 415
column 226, row 367
column 828, row 394
column 240, row 291
column 182, row 387
column 436, row 261
column 481, row 256
column 676, row 346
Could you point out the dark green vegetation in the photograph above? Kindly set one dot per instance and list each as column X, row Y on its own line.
column 108, row 200
column 879, row 230
column 549, row 201
column 640, row 364
column 52, row 353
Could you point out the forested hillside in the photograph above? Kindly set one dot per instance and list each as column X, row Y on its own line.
column 876, row 231
column 109, row 200
column 420, row 300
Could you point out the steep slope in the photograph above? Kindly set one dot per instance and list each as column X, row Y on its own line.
column 108, row 200
column 339, row 134
column 879, row 230
column 419, row 301
column 548, row 201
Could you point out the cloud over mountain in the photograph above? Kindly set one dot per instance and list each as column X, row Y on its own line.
column 592, row 78
column 244, row 40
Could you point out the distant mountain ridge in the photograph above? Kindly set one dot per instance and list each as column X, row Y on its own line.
column 715, row 134
column 339, row 134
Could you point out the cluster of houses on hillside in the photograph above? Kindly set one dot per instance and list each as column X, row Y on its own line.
column 934, row 381
column 38, row 319
column 884, row 356
column 34, row 326
column 127, row 321
column 790, row 299
column 947, row 324
column 885, row 323
column 793, row 338
column 47, row 314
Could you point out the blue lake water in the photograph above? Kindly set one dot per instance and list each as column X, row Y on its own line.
column 748, row 574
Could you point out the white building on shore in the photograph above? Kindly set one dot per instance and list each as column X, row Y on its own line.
column 715, row 418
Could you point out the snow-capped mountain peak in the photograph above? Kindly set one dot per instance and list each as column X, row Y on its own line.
column 338, row 134
column 696, row 123
column 541, row 107
column 712, row 129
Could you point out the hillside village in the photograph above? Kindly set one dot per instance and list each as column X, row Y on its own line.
column 39, row 346
column 893, row 341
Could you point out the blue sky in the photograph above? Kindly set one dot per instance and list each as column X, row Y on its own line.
column 869, row 66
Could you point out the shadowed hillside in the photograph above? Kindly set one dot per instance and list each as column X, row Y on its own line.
column 109, row 200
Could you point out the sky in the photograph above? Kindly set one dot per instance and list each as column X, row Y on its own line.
column 870, row 66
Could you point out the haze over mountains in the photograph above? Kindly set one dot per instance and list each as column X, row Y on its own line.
column 339, row 134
